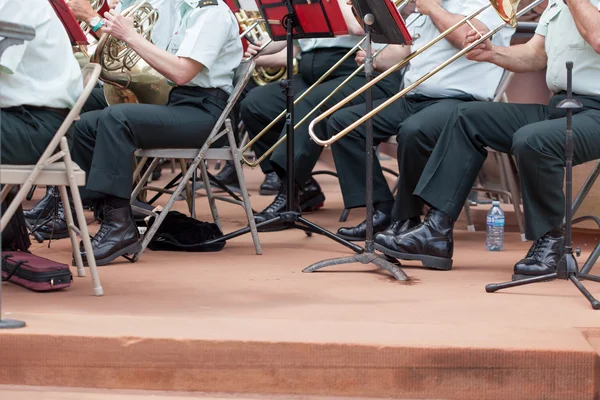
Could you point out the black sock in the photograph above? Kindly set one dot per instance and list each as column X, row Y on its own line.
column 116, row 202
column 384, row 206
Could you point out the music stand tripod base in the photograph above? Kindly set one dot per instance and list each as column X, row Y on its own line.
column 369, row 256
column 11, row 324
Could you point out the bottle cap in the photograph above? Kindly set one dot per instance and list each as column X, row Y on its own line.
column 496, row 203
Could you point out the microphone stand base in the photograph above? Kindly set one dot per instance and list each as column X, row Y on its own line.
column 11, row 324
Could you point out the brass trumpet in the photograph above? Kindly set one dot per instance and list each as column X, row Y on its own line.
column 400, row 4
column 506, row 9
column 127, row 77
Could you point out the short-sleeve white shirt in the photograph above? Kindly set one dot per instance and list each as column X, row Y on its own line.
column 43, row 71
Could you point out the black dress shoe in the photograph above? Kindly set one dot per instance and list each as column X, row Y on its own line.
column 45, row 207
column 359, row 232
column 398, row 227
column 55, row 227
column 227, row 175
column 311, row 196
column 278, row 205
column 430, row 242
column 270, row 185
column 118, row 236
column 543, row 256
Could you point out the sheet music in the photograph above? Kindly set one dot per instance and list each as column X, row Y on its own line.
column 248, row 5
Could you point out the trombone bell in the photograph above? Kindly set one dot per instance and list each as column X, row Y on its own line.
column 507, row 10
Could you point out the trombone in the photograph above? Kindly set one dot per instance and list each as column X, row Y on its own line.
column 400, row 4
column 508, row 16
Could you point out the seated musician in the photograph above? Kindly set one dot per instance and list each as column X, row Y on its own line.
column 533, row 133
column 419, row 117
column 55, row 226
column 203, row 53
column 263, row 104
column 39, row 82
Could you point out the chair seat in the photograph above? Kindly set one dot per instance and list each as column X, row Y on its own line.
column 54, row 174
column 211, row 154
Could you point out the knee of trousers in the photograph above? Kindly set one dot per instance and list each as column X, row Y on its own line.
column 527, row 144
column 410, row 135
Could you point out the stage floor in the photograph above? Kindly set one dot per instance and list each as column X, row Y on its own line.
column 235, row 322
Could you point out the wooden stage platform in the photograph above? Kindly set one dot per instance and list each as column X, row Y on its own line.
column 255, row 327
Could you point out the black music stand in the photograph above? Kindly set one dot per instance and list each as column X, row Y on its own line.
column 382, row 25
column 567, row 268
column 288, row 20
column 13, row 34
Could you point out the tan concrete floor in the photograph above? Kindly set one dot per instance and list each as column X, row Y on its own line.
column 235, row 295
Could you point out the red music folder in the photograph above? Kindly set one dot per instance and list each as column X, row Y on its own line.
column 315, row 18
column 234, row 5
column 76, row 35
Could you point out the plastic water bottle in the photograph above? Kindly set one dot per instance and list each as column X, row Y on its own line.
column 495, row 228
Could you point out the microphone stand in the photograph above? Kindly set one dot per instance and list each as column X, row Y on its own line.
column 567, row 268
column 369, row 256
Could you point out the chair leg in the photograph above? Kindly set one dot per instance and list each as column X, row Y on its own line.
column 211, row 199
column 64, row 197
column 188, row 192
column 143, row 181
column 344, row 215
column 85, row 235
column 515, row 195
column 470, row 225
column 242, row 180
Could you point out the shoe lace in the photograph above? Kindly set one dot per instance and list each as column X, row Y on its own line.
column 278, row 202
column 104, row 228
column 539, row 248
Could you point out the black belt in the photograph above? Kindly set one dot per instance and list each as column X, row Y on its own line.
column 63, row 112
column 215, row 92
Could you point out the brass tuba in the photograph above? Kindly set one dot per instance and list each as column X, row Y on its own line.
column 261, row 76
column 127, row 77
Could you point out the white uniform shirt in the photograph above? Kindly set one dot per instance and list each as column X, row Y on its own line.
column 42, row 72
column 462, row 77
column 564, row 43
column 208, row 34
column 167, row 16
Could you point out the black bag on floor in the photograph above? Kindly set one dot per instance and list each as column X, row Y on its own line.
column 178, row 232
column 15, row 236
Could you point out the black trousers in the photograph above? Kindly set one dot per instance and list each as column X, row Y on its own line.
column 265, row 103
column 534, row 134
column 105, row 141
column 96, row 101
column 416, row 119
column 25, row 132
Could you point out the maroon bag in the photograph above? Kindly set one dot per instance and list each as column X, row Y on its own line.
column 33, row 272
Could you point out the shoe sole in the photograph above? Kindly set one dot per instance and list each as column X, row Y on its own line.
column 129, row 250
column 268, row 192
column 313, row 204
column 439, row 263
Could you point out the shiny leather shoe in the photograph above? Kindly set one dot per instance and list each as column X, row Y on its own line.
column 543, row 256
column 227, row 175
column 44, row 208
column 118, row 236
column 359, row 232
column 270, row 185
column 430, row 242
column 56, row 226
column 398, row 227
column 311, row 196
column 278, row 205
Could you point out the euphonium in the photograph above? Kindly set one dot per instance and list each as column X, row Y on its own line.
column 261, row 76
column 127, row 77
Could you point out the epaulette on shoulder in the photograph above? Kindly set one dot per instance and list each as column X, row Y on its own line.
column 204, row 3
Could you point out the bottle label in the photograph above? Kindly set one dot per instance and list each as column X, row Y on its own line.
column 495, row 220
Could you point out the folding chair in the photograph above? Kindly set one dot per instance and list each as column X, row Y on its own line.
column 57, row 168
column 508, row 177
column 583, row 192
column 242, row 76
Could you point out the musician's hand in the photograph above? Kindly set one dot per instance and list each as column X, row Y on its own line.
column 118, row 26
column 360, row 58
column 482, row 52
column 426, row 7
column 82, row 9
column 253, row 50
